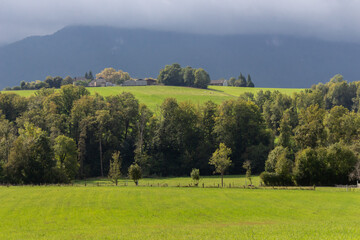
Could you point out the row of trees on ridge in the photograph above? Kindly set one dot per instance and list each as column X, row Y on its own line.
column 175, row 75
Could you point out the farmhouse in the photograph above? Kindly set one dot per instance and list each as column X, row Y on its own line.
column 138, row 82
column 220, row 82
column 100, row 82
column 129, row 83
column 151, row 81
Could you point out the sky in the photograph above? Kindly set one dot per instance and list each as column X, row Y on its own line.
column 335, row 20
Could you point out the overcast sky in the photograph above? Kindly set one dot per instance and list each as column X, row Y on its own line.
column 328, row 19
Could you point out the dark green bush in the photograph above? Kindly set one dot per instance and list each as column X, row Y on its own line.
column 274, row 179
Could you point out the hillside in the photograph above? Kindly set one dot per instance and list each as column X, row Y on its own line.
column 153, row 96
column 272, row 61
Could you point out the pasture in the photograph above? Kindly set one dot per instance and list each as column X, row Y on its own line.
column 153, row 96
column 110, row 212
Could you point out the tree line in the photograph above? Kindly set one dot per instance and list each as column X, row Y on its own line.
column 110, row 74
column 317, row 134
column 49, row 82
column 172, row 75
column 47, row 132
column 241, row 81
column 309, row 138
column 175, row 75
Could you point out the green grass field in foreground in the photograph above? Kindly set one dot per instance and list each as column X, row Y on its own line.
column 153, row 96
column 109, row 212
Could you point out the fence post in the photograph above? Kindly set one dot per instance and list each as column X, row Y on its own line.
column 203, row 185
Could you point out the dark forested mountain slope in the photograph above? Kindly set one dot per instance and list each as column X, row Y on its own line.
column 272, row 61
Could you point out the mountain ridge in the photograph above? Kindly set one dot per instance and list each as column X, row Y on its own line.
column 272, row 61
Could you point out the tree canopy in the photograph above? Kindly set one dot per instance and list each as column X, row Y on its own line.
column 175, row 75
column 309, row 138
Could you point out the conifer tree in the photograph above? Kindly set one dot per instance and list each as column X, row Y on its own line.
column 90, row 75
column 249, row 83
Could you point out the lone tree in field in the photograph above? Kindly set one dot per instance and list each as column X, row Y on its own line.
column 195, row 176
column 135, row 173
column 247, row 167
column 221, row 160
column 115, row 165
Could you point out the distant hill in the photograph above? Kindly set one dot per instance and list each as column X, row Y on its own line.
column 272, row 61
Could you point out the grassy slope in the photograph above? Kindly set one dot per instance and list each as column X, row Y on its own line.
column 176, row 213
column 153, row 96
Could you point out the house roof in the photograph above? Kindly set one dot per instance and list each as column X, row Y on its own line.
column 151, row 79
column 220, row 81
column 100, row 80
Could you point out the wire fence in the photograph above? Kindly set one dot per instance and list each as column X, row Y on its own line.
column 172, row 184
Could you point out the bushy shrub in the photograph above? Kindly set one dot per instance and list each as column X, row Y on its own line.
column 274, row 179
column 195, row 176
column 135, row 173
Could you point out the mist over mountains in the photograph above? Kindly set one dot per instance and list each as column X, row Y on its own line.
column 272, row 61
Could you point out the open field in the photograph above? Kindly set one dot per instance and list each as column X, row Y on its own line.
column 153, row 96
column 58, row 212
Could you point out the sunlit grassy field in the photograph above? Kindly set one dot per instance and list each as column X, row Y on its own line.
column 109, row 212
column 153, row 96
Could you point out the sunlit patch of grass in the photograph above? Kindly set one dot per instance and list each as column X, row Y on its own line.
column 129, row 212
column 153, row 96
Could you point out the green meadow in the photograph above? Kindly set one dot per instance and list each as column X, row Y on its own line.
column 153, row 96
column 129, row 212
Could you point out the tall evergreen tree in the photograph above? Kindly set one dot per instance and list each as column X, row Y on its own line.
column 242, row 81
column 90, row 75
column 249, row 83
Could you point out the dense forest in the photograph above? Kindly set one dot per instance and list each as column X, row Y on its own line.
column 309, row 138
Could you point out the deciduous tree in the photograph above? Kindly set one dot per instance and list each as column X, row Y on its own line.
column 195, row 176
column 115, row 165
column 111, row 75
column 221, row 160
column 66, row 153
column 135, row 173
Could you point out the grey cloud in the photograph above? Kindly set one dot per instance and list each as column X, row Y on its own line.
column 327, row 19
